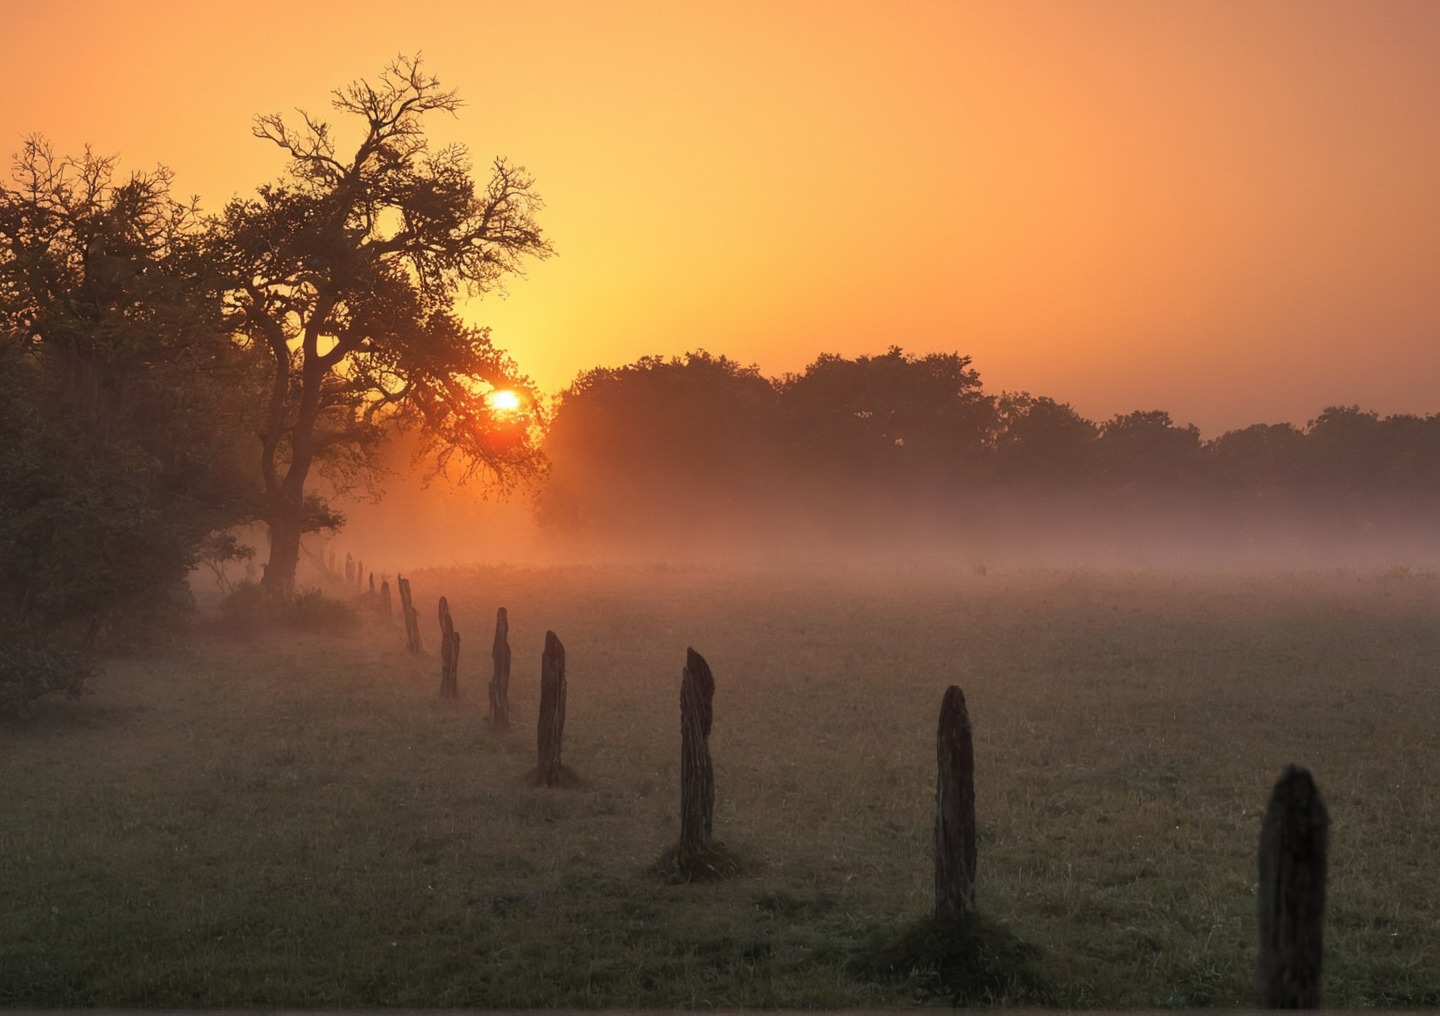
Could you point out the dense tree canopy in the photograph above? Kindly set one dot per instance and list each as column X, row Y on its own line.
column 124, row 400
column 658, row 440
column 344, row 275
column 890, row 416
column 896, row 450
column 123, row 410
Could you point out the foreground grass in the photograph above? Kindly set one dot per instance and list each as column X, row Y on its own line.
column 302, row 822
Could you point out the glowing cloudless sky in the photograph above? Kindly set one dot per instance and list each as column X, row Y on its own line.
column 1228, row 210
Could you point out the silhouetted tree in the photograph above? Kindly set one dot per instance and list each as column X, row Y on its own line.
column 880, row 418
column 122, row 413
column 685, row 445
column 1262, row 460
column 1372, row 476
column 345, row 274
column 1148, row 449
column 1042, row 442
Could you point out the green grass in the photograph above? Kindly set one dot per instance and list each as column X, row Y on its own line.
column 302, row 822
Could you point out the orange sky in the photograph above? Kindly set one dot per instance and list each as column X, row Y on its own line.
column 1226, row 209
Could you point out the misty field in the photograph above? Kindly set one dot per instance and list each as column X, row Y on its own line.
column 301, row 821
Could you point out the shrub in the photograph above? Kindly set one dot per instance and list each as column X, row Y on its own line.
column 244, row 610
column 311, row 610
column 249, row 609
column 31, row 669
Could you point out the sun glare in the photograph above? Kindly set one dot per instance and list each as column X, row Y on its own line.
column 504, row 400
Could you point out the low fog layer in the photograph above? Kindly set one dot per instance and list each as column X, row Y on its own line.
column 426, row 528
column 905, row 460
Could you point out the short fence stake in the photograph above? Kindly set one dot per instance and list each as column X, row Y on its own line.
column 449, row 654
column 954, row 810
column 1291, row 896
column 551, row 726
column 697, row 773
column 500, row 682
column 410, row 615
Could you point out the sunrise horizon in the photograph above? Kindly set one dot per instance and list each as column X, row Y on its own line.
column 940, row 502
column 1224, row 213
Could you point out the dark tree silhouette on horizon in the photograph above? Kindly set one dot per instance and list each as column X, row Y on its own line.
column 345, row 274
column 122, row 400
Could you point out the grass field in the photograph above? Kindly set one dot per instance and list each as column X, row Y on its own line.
column 300, row 821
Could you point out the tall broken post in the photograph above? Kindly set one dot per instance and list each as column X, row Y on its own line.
column 697, row 773
column 385, row 599
column 500, row 682
column 409, row 615
column 1291, row 896
column 551, row 726
column 955, row 855
column 449, row 654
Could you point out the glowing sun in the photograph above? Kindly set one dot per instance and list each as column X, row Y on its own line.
column 504, row 400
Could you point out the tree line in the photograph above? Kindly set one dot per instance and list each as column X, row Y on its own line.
column 896, row 448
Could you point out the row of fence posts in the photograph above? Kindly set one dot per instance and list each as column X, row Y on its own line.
column 357, row 576
column 552, row 669
column 1290, row 899
column 1293, row 836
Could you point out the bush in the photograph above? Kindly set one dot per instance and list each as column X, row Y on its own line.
column 249, row 609
column 31, row 669
column 244, row 610
column 311, row 610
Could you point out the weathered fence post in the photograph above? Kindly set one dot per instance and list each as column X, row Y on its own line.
column 372, row 585
column 697, row 774
column 500, row 682
column 349, row 568
column 359, row 573
column 409, row 615
column 385, row 599
column 954, row 810
column 1291, row 895
column 551, row 726
column 449, row 654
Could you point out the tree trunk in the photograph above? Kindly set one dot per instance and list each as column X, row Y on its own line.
column 551, row 726
column 284, row 526
column 697, row 774
column 500, row 682
column 955, row 854
column 1291, row 895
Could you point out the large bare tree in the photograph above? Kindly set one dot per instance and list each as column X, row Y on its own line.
column 344, row 276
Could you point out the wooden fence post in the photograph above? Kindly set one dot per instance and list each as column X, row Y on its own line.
column 551, row 726
column 500, row 682
column 385, row 599
column 349, row 568
column 1291, row 895
column 955, row 854
column 449, row 654
column 410, row 615
column 697, row 773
